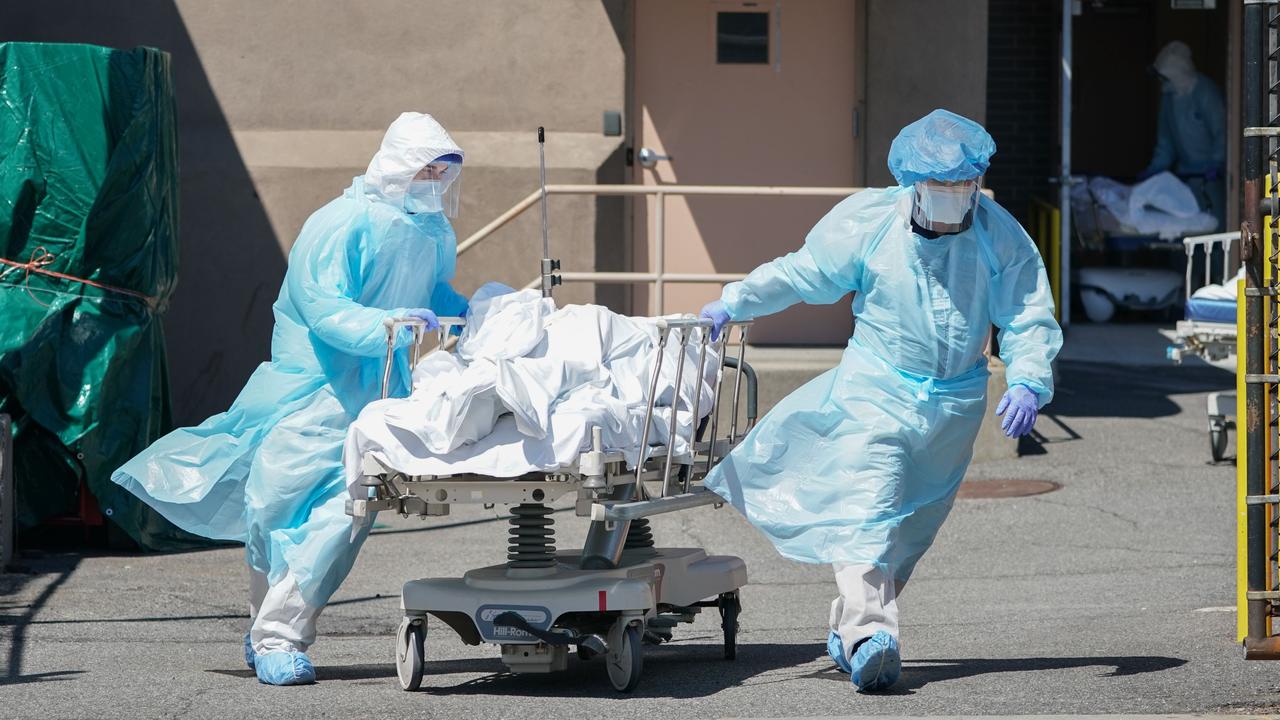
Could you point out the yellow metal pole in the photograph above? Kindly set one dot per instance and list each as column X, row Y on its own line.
column 1268, row 309
column 1242, row 474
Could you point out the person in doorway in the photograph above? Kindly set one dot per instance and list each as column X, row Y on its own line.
column 860, row 467
column 1191, row 130
column 268, row 472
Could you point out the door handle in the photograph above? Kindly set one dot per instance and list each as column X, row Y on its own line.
column 649, row 158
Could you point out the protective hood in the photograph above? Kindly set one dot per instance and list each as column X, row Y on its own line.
column 412, row 141
column 1175, row 65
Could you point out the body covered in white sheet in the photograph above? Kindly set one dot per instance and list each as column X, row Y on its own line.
column 524, row 388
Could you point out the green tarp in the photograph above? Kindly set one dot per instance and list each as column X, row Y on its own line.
column 89, row 249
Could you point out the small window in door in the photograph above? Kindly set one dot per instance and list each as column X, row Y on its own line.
column 742, row 38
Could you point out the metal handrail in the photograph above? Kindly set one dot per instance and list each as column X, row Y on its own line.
column 659, row 277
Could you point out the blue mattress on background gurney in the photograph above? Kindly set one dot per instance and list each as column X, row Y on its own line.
column 1211, row 310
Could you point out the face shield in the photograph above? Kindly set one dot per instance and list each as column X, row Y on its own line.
column 945, row 206
column 436, row 188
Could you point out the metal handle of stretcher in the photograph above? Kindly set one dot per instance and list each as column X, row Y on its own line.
column 682, row 329
column 1227, row 240
column 419, row 327
column 753, row 388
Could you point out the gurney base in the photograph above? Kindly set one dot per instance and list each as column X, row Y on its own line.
column 651, row 592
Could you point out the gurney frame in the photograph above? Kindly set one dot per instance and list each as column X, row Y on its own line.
column 619, row 591
column 1209, row 341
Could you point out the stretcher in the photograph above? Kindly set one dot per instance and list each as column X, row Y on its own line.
column 1104, row 290
column 1209, row 330
column 619, row 591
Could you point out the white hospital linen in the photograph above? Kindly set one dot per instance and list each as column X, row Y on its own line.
column 1161, row 205
column 1220, row 292
column 523, row 390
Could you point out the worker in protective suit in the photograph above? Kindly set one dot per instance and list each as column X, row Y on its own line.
column 268, row 472
column 1191, row 136
column 859, row 467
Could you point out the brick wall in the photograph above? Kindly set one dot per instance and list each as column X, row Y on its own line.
column 1022, row 100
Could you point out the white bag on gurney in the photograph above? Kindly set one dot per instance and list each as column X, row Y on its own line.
column 1161, row 205
column 525, row 387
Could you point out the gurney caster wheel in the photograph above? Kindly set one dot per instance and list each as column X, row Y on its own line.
column 626, row 655
column 410, row 642
column 730, row 608
column 1218, row 440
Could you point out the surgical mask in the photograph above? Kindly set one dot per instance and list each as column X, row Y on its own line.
column 424, row 196
column 945, row 208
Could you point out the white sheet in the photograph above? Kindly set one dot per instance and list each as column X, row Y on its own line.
column 1161, row 205
column 523, row 390
column 1220, row 292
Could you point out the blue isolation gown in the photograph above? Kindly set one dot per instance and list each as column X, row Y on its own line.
column 268, row 472
column 861, row 465
column 1191, row 141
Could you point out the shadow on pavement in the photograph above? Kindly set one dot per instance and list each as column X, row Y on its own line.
column 916, row 674
column 22, row 620
column 1088, row 389
column 691, row 671
column 672, row 670
column 60, row 569
column 39, row 677
column 920, row 673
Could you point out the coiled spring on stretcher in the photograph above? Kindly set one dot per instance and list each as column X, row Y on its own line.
column 533, row 543
column 639, row 535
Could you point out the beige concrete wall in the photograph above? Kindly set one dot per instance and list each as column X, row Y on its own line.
column 294, row 172
column 281, row 103
column 479, row 64
column 921, row 55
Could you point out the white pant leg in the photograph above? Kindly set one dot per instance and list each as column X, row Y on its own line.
column 284, row 621
column 867, row 604
column 257, row 591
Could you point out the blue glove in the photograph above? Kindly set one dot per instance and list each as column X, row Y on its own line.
column 1020, row 408
column 716, row 312
column 426, row 316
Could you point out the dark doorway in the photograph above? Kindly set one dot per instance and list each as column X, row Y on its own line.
column 1115, row 97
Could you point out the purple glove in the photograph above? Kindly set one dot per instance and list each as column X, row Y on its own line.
column 716, row 312
column 1020, row 409
column 426, row 316
column 1211, row 174
column 456, row 330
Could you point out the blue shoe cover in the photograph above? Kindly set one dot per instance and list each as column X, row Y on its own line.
column 835, row 649
column 249, row 654
column 285, row 668
column 876, row 663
